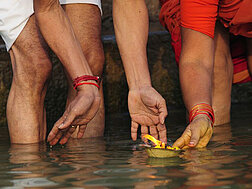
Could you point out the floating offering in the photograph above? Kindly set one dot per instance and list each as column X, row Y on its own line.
column 160, row 150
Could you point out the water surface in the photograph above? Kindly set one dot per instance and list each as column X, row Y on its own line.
column 116, row 162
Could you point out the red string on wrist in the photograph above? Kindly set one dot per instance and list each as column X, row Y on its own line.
column 86, row 83
column 203, row 109
column 81, row 81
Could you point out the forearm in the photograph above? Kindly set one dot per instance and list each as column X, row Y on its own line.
column 196, row 68
column 131, row 28
column 58, row 33
column 196, row 83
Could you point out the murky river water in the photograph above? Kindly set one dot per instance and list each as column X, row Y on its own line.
column 115, row 161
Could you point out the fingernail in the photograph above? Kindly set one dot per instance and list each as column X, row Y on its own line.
column 191, row 143
column 163, row 119
column 61, row 125
column 162, row 122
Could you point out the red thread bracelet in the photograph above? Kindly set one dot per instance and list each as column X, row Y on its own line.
column 86, row 78
column 204, row 109
column 86, row 83
column 79, row 81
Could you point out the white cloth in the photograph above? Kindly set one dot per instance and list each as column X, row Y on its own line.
column 94, row 2
column 14, row 15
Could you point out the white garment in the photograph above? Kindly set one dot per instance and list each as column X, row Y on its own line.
column 14, row 14
column 94, row 2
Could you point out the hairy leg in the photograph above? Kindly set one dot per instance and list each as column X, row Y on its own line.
column 86, row 22
column 223, row 73
column 31, row 69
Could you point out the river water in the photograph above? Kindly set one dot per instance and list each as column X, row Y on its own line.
column 116, row 162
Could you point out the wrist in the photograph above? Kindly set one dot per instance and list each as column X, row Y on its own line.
column 90, row 89
column 202, row 110
column 86, row 80
column 139, row 85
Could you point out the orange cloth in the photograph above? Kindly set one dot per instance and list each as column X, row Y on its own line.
column 237, row 15
column 200, row 15
column 239, row 58
column 170, row 18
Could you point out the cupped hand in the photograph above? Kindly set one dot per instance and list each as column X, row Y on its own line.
column 197, row 134
column 148, row 109
column 78, row 113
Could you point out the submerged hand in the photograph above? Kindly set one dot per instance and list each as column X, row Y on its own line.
column 148, row 109
column 78, row 113
column 197, row 134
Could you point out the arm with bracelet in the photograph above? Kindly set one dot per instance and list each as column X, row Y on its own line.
column 146, row 106
column 196, row 70
column 58, row 33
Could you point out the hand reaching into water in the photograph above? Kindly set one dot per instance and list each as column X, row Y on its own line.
column 78, row 113
column 197, row 134
column 148, row 109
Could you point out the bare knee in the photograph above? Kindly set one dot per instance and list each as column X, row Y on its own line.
column 88, row 32
column 30, row 61
column 31, row 72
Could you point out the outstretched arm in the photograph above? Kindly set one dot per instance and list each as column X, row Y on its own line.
column 58, row 33
column 146, row 106
column 196, row 71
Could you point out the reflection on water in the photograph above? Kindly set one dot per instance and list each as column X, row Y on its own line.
column 115, row 161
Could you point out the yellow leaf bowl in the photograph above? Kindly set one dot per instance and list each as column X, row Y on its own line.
column 160, row 150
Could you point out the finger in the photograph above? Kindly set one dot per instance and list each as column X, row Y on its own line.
column 134, row 127
column 55, row 130
column 184, row 139
column 74, row 135
column 52, row 134
column 68, row 121
column 61, row 119
column 180, row 143
column 67, row 135
column 162, row 110
column 81, row 131
column 162, row 133
column 144, row 131
column 154, row 132
column 56, row 138
column 205, row 139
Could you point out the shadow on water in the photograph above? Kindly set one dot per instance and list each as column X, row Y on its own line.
column 115, row 161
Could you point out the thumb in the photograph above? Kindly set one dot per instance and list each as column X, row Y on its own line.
column 194, row 138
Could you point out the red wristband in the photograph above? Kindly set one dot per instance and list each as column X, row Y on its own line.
column 79, row 81
column 86, row 83
column 204, row 109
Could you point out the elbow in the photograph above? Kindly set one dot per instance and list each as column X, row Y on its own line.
column 196, row 65
column 42, row 7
